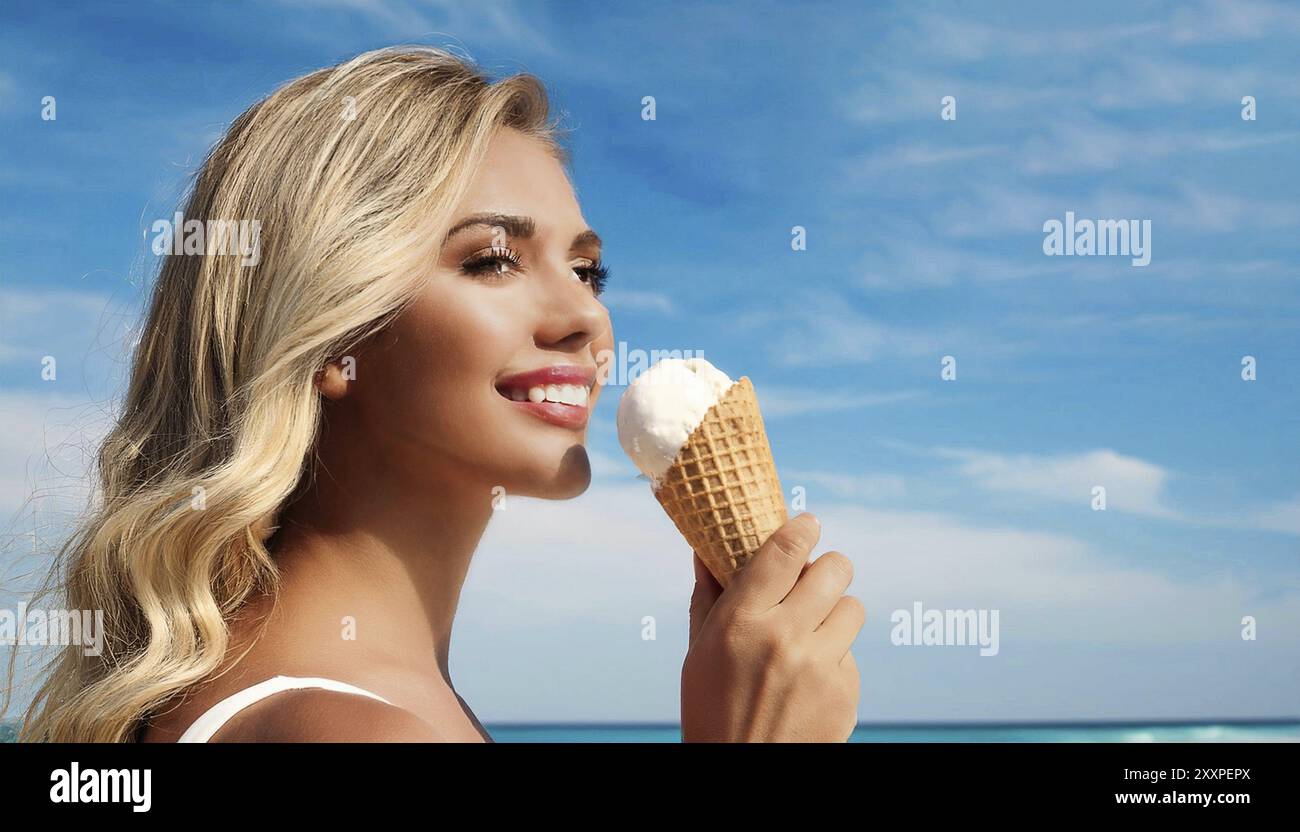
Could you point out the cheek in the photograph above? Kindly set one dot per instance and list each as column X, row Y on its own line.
column 445, row 352
column 469, row 342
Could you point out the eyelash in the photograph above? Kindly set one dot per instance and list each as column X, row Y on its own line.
column 489, row 265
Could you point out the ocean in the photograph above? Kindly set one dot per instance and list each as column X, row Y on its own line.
column 1071, row 732
column 1065, row 732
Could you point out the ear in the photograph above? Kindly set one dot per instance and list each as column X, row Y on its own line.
column 332, row 380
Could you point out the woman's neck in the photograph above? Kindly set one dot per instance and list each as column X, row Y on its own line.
column 380, row 565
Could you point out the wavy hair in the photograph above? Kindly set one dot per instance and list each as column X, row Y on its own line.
column 352, row 172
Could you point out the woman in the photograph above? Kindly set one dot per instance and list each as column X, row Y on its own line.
column 310, row 446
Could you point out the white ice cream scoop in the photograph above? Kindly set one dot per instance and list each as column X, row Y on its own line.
column 663, row 406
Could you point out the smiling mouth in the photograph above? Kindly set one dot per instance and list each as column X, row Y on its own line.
column 559, row 395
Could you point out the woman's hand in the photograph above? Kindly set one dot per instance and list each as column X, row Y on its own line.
column 769, row 658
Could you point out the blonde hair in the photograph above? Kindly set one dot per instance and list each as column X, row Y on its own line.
column 352, row 171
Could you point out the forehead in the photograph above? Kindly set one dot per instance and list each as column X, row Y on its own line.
column 520, row 175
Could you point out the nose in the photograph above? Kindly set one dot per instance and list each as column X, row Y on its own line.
column 572, row 317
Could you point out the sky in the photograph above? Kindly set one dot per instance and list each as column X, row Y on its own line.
column 924, row 249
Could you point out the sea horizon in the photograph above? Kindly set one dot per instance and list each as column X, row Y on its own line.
column 1104, row 731
column 1124, row 731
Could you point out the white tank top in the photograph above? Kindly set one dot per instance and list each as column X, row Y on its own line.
column 219, row 714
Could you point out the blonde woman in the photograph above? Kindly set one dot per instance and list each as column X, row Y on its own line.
column 343, row 409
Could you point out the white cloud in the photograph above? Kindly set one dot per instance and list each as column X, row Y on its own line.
column 997, row 210
column 52, row 427
column 994, row 210
column 46, row 451
column 48, row 321
column 1085, row 143
column 1060, row 587
column 903, row 256
column 607, row 547
column 1124, row 325
column 1140, row 81
column 1279, row 517
column 415, row 22
column 903, row 157
column 615, row 549
column 820, row 328
column 1228, row 20
column 611, row 465
column 895, row 95
column 1132, row 485
column 1119, row 66
column 963, row 40
column 870, row 488
column 641, row 301
column 1216, row 211
column 779, row 402
column 558, row 592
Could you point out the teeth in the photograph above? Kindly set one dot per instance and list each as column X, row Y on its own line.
column 572, row 394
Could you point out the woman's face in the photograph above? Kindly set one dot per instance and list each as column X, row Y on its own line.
column 488, row 378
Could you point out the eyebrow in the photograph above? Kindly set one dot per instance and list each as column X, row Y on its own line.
column 519, row 227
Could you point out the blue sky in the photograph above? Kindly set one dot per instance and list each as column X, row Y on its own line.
column 924, row 239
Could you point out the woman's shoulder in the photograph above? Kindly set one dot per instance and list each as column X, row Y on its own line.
column 319, row 715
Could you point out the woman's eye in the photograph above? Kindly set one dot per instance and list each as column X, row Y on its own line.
column 497, row 262
column 594, row 275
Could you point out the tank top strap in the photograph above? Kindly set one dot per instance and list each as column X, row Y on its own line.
column 202, row 729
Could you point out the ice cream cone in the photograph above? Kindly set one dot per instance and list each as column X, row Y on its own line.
column 722, row 491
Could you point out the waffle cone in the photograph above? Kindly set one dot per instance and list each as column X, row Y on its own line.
column 722, row 491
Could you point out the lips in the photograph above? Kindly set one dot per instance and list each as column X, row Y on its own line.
column 557, row 394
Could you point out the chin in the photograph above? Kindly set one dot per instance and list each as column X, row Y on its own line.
column 569, row 490
column 569, row 477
